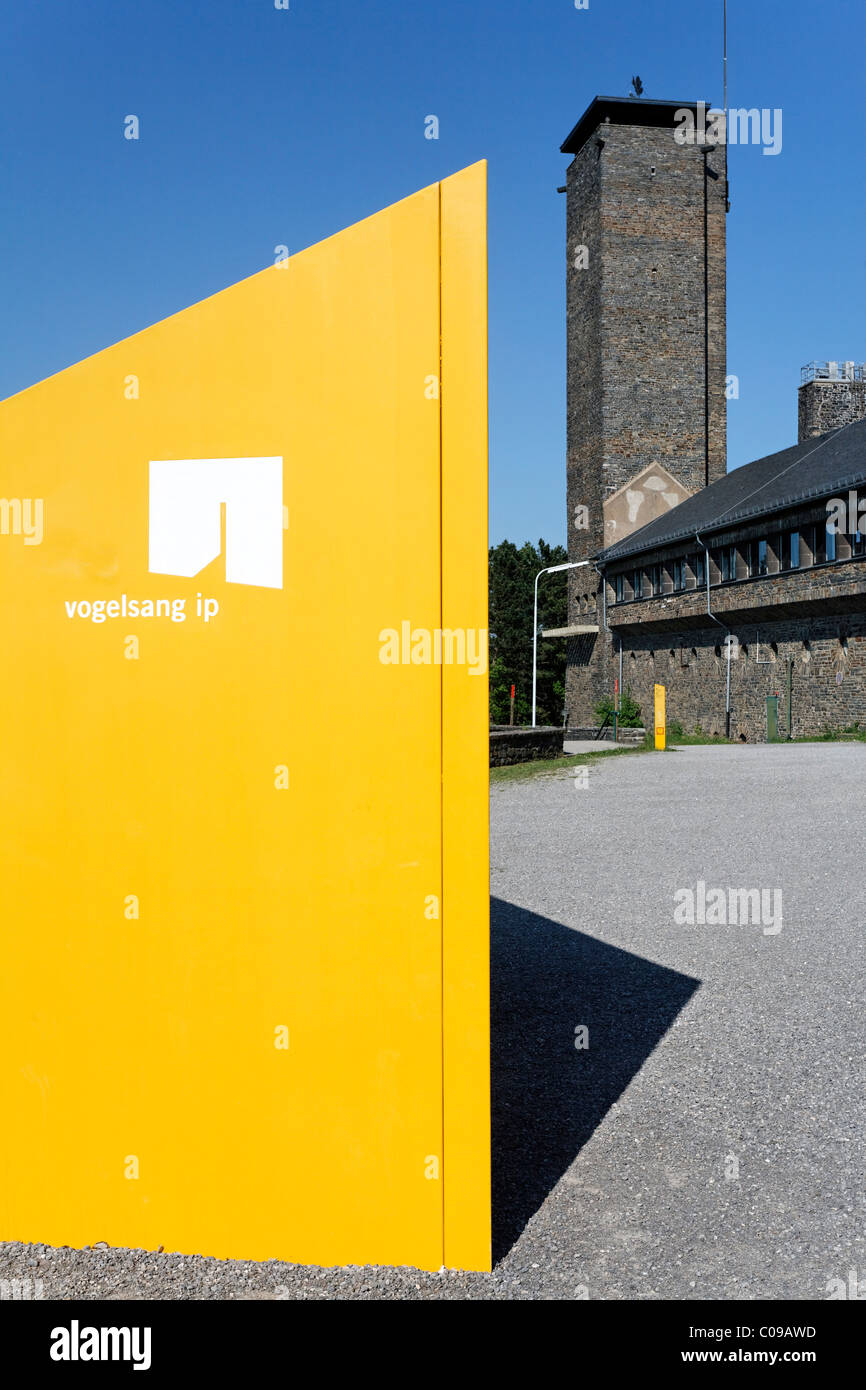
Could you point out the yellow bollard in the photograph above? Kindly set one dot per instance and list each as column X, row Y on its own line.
column 659, row 692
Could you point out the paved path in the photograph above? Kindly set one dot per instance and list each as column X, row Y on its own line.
column 589, row 745
column 709, row 1141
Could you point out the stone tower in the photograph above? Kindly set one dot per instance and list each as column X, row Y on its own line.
column 646, row 203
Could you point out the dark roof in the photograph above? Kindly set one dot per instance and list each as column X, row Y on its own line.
column 820, row 467
column 624, row 111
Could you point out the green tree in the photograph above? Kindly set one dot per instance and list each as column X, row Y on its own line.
column 500, row 692
column 629, row 711
column 512, row 578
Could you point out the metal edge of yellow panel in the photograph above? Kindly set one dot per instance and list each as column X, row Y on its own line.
column 465, row 776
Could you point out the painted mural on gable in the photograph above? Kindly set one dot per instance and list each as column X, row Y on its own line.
column 644, row 497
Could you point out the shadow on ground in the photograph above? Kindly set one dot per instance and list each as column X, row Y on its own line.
column 548, row 1097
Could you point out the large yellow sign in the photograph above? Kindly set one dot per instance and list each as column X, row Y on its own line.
column 243, row 850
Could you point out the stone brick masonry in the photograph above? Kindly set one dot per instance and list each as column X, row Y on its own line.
column 828, row 676
column 828, row 405
column 816, row 617
column 519, row 745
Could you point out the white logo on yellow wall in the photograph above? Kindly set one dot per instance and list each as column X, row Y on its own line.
column 185, row 518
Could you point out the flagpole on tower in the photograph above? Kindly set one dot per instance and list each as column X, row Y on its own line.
column 725, row 55
column 725, row 96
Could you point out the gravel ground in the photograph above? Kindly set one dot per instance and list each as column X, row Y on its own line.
column 708, row 1143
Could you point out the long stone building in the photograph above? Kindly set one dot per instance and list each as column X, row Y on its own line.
column 726, row 588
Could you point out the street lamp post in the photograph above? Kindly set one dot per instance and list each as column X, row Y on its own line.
column 551, row 569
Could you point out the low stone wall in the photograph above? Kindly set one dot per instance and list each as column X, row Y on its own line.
column 520, row 745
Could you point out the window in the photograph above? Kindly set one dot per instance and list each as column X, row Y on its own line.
column 619, row 588
column 655, row 574
column 726, row 559
column 755, row 554
column 697, row 563
column 829, row 543
column 637, row 583
column 678, row 574
column 816, row 541
column 789, row 550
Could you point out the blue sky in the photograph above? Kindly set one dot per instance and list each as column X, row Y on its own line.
column 262, row 127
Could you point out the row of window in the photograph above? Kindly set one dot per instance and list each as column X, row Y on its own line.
column 793, row 549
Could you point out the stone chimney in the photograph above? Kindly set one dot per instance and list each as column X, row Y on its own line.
column 831, row 394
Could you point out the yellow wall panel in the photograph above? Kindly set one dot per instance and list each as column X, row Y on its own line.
column 144, row 1101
